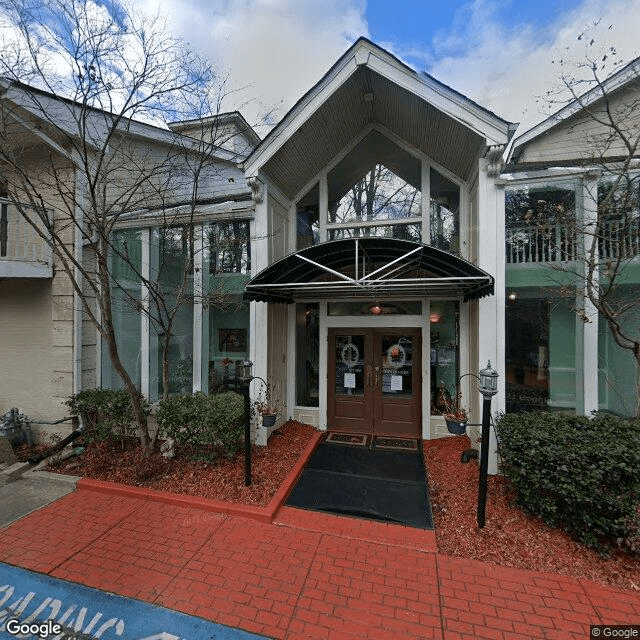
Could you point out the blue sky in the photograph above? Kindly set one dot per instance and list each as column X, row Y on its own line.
column 499, row 53
column 412, row 24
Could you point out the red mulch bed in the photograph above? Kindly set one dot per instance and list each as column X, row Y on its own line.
column 509, row 537
column 223, row 480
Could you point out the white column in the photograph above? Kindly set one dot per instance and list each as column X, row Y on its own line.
column 426, row 368
column 197, row 308
column 491, row 258
column 323, row 195
column 293, row 229
column 322, row 365
column 259, row 311
column 291, row 359
column 590, row 328
column 425, row 201
column 144, row 316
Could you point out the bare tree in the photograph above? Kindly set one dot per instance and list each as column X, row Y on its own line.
column 95, row 74
column 602, row 245
column 378, row 195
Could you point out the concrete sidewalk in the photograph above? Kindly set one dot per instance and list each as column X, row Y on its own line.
column 304, row 575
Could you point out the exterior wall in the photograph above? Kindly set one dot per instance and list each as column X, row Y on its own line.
column 40, row 318
column 277, row 340
column 25, row 345
column 581, row 137
column 167, row 176
column 278, row 221
column 227, row 135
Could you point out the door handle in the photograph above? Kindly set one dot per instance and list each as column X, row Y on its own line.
column 368, row 381
column 377, row 378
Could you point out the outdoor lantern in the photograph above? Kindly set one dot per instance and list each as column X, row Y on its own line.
column 488, row 381
column 245, row 379
column 376, row 309
column 245, row 370
column 488, row 389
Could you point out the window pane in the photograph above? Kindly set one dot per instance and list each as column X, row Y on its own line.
column 617, row 368
column 540, row 351
column 307, row 354
column 171, row 269
column 125, row 263
column 400, row 231
column 619, row 204
column 227, row 343
column 540, row 223
column 307, row 219
column 397, row 366
column 410, row 307
column 379, row 195
column 227, row 247
column 445, row 368
column 349, row 373
column 445, row 213
column 225, row 321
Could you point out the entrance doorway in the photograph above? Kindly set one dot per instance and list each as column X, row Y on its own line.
column 374, row 381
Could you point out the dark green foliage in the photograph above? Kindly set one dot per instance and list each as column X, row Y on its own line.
column 202, row 422
column 576, row 473
column 107, row 414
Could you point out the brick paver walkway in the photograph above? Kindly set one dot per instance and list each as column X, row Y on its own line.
column 306, row 575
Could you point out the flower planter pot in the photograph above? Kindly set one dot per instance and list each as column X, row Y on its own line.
column 269, row 419
column 456, row 427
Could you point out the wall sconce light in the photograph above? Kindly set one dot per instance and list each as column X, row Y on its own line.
column 434, row 317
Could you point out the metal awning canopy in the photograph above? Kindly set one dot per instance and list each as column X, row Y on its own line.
column 372, row 268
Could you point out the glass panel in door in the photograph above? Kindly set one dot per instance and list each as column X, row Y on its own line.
column 350, row 381
column 397, row 366
column 349, row 369
column 397, row 388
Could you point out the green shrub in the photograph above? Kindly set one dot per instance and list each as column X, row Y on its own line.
column 199, row 420
column 107, row 414
column 576, row 473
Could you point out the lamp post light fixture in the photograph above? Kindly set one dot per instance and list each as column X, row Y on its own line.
column 488, row 389
column 245, row 379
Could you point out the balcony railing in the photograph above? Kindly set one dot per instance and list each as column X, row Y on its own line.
column 543, row 243
column 23, row 252
column 539, row 243
column 619, row 240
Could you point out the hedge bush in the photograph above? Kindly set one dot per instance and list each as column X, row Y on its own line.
column 576, row 473
column 107, row 414
column 215, row 421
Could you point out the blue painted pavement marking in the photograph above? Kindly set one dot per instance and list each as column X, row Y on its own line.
column 82, row 612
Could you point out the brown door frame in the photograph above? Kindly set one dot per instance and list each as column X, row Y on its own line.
column 366, row 413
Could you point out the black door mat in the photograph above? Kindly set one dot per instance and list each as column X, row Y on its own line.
column 351, row 439
column 369, row 463
column 389, row 486
column 396, row 444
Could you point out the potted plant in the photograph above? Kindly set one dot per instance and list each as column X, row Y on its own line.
column 268, row 405
column 455, row 416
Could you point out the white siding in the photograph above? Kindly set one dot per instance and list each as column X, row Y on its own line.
column 581, row 137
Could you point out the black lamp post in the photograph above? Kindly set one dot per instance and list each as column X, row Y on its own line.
column 245, row 379
column 488, row 389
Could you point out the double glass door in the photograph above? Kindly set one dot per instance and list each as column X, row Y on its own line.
column 374, row 383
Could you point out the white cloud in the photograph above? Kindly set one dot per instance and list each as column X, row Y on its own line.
column 506, row 68
column 274, row 49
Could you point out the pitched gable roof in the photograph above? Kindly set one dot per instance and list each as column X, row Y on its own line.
column 366, row 85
